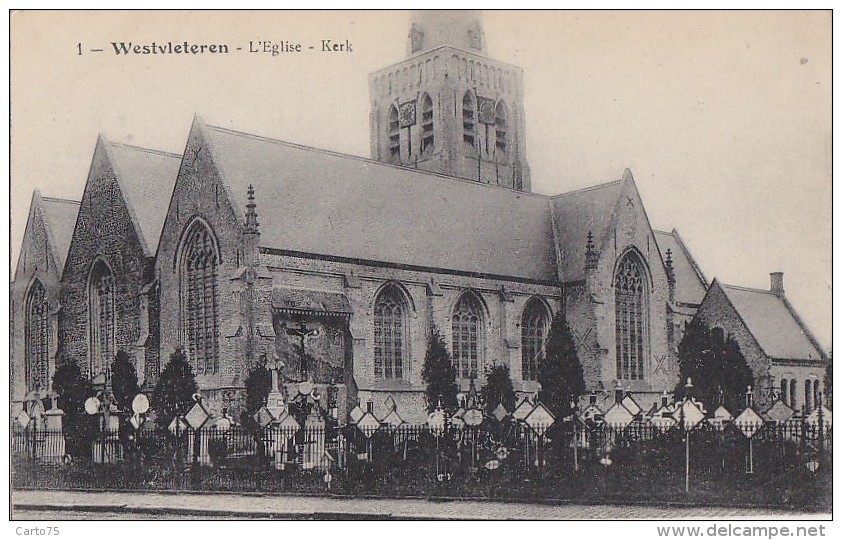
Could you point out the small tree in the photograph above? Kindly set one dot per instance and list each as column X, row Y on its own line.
column 559, row 370
column 498, row 389
column 124, row 385
column 439, row 373
column 173, row 394
column 258, row 385
column 73, row 388
column 715, row 365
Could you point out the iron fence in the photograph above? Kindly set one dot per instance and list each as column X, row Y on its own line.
column 788, row 461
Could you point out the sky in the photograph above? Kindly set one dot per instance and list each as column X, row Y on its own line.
column 724, row 118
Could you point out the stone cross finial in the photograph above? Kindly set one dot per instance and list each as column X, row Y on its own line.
column 251, row 213
column 590, row 252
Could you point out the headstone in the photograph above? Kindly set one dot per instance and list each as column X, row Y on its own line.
column 540, row 419
column 368, row 424
column 690, row 412
column 500, row 412
column 197, row 416
column 522, row 410
column 749, row 422
column 779, row 412
column 618, row 417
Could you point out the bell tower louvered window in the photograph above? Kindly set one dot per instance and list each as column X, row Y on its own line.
column 394, row 135
column 427, row 136
column 469, row 135
column 501, row 131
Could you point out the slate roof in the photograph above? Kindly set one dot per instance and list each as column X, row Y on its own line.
column 60, row 218
column 321, row 202
column 690, row 282
column 310, row 301
column 774, row 324
column 576, row 213
column 147, row 178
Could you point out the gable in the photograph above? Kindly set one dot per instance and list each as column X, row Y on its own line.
column 576, row 214
column 61, row 216
column 47, row 235
column 320, row 202
column 146, row 178
column 773, row 324
column 690, row 284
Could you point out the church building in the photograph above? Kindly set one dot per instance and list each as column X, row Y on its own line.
column 246, row 249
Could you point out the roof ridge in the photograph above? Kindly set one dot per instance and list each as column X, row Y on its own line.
column 749, row 289
column 60, row 200
column 369, row 160
column 581, row 190
column 144, row 149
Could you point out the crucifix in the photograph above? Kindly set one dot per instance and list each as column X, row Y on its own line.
column 302, row 332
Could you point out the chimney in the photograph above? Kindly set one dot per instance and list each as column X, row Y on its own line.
column 777, row 283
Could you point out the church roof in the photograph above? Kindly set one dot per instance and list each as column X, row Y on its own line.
column 577, row 213
column 146, row 179
column 773, row 322
column 60, row 218
column 321, row 202
column 690, row 282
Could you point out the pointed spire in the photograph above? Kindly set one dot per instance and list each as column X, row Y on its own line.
column 670, row 275
column 670, row 267
column 251, row 213
column 591, row 258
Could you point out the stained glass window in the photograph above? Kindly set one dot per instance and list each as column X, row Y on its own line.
column 533, row 334
column 101, row 318
column 199, row 299
column 37, row 338
column 630, row 310
column 389, row 334
column 467, row 336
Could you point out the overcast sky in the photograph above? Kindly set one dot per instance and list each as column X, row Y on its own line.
column 723, row 117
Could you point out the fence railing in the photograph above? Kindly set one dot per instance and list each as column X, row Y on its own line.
column 573, row 459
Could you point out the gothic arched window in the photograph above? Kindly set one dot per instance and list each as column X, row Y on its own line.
column 389, row 333
column 793, row 394
column 199, row 316
column 469, row 120
column 467, row 336
column 808, row 395
column 500, row 129
column 427, row 137
column 533, row 334
column 101, row 318
column 394, row 135
column 37, row 338
column 785, row 391
column 630, row 301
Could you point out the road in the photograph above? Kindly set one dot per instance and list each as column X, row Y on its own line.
column 110, row 505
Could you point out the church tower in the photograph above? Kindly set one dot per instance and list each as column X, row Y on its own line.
column 448, row 107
